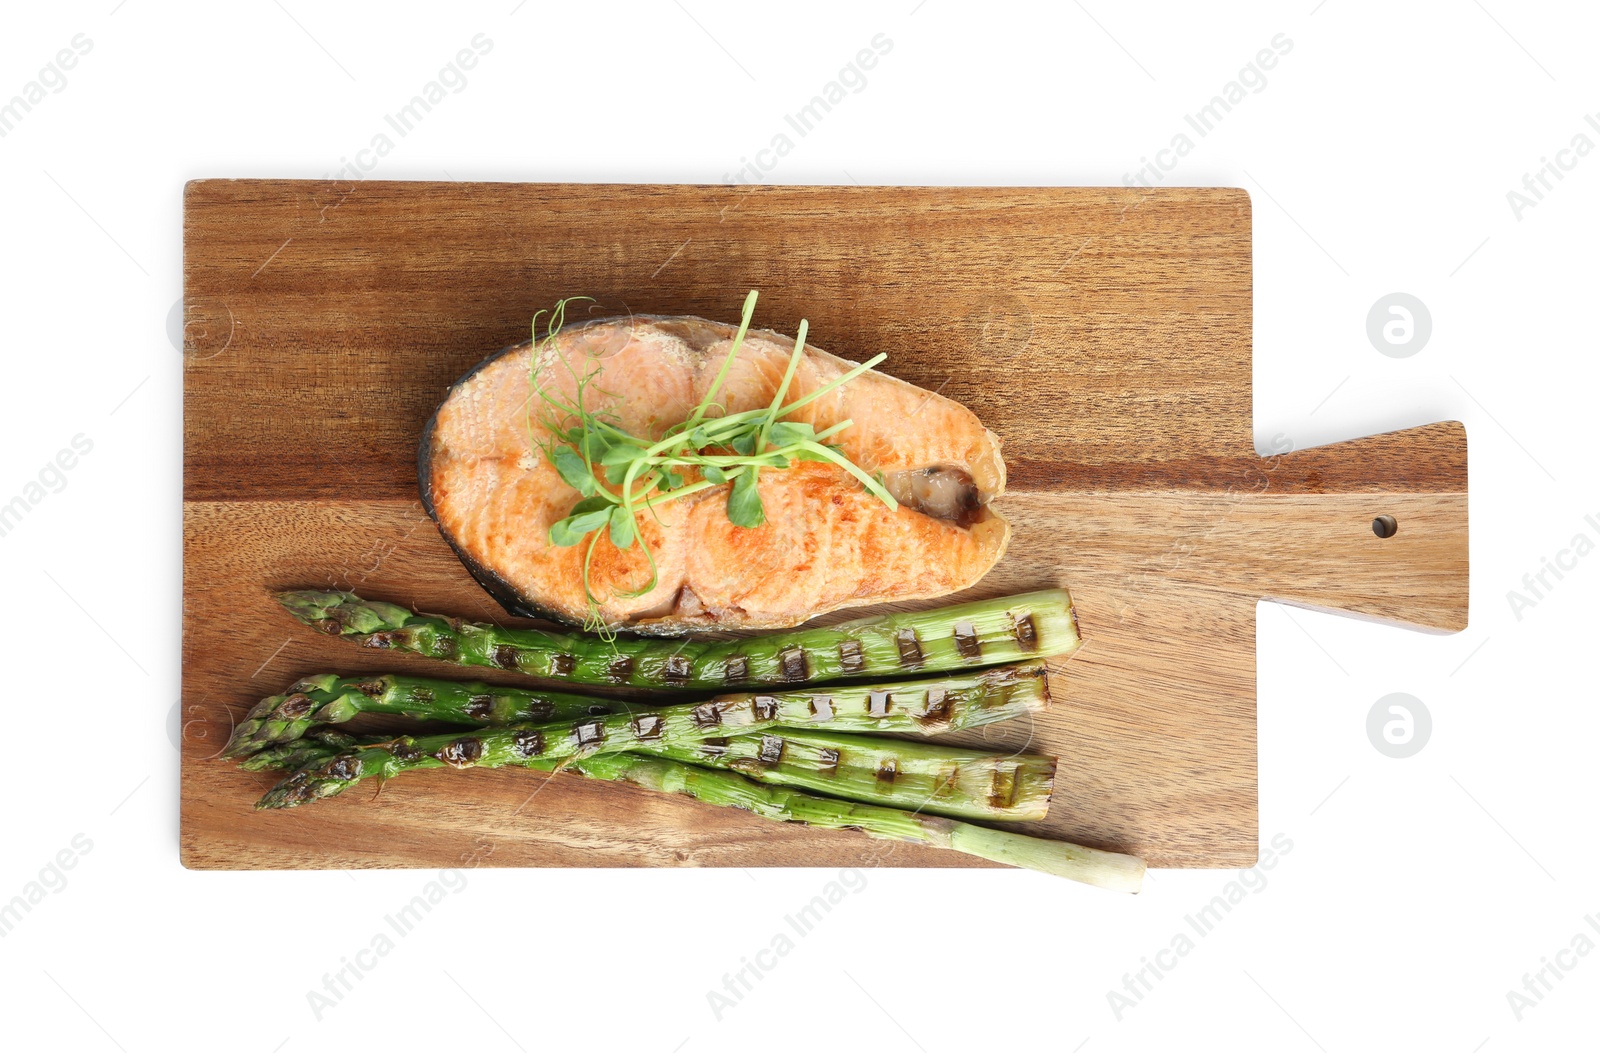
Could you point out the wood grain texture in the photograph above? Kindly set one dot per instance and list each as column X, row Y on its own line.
column 1104, row 334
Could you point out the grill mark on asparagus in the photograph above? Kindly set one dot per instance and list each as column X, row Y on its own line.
column 939, row 707
column 504, row 656
column 296, row 706
column 771, row 749
column 888, row 768
column 968, row 645
column 714, row 747
column 821, row 707
column 462, row 753
column 850, row 658
column 677, row 669
column 647, row 727
column 343, row 767
column 1026, row 632
column 792, row 665
column 541, row 710
column 370, row 688
column 528, row 743
column 405, row 752
column 910, row 647
column 1003, row 790
column 706, row 715
column 620, row 668
column 589, row 733
column 765, row 707
column 297, row 787
column 479, row 707
column 562, row 664
column 878, row 703
column 828, row 761
column 736, row 670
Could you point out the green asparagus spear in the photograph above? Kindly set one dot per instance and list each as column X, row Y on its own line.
column 1110, row 870
column 921, row 706
column 920, row 778
column 1092, row 866
column 966, row 636
column 935, row 779
column 947, row 704
column 330, row 699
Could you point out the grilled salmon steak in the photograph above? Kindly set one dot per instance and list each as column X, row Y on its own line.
column 827, row 542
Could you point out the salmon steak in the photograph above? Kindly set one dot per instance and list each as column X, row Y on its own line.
column 827, row 542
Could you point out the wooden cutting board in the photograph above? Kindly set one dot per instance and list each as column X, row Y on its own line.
column 1104, row 334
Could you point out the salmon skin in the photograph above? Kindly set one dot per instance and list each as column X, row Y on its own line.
column 827, row 542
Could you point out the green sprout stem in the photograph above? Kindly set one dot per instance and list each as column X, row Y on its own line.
column 745, row 315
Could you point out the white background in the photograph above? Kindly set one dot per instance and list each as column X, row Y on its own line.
column 1379, row 154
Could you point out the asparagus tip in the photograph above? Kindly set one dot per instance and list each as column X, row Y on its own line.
column 322, row 777
column 241, row 745
column 340, row 612
column 310, row 603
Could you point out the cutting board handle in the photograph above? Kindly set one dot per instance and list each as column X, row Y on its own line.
column 1316, row 527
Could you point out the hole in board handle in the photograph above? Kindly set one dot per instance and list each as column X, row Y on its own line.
column 1385, row 526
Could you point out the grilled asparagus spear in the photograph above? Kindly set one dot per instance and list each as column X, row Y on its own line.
column 1093, row 866
column 925, row 779
column 966, row 636
column 946, row 704
column 921, row 777
column 330, row 699
column 919, row 706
